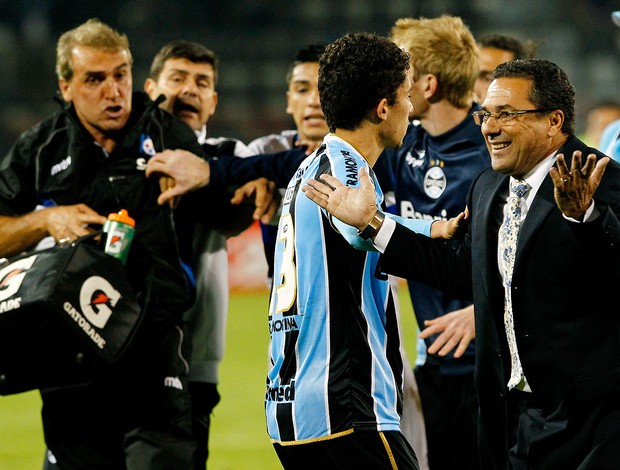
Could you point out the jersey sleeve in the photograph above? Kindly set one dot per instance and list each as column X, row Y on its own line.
column 279, row 167
column 422, row 227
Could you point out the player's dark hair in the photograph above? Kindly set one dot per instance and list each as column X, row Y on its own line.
column 355, row 73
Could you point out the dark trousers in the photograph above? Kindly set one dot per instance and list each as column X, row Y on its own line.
column 583, row 436
column 135, row 416
column 204, row 398
column 450, row 410
column 358, row 450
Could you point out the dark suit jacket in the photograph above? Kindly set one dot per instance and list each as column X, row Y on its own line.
column 565, row 303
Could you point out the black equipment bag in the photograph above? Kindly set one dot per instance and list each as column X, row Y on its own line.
column 65, row 313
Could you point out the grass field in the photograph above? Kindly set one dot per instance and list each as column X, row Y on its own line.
column 238, row 440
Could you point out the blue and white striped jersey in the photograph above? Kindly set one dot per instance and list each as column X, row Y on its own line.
column 335, row 352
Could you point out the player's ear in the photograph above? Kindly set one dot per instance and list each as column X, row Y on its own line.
column 381, row 110
column 431, row 85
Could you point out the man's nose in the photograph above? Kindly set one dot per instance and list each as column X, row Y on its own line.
column 111, row 88
column 491, row 125
column 314, row 98
column 189, row 88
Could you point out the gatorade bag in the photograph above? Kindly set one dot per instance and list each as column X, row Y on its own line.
column 65, row 313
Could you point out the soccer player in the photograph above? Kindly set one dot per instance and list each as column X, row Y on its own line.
column 334, row 391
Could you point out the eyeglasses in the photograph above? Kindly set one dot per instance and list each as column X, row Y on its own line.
column 503, row 116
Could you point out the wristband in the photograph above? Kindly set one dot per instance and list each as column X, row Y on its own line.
column 373, row 227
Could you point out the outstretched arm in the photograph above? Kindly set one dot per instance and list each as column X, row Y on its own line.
column 64, row 223
column 357, row 206
column 191, row 172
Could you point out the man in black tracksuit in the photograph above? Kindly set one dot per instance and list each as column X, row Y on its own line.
column 60, row 179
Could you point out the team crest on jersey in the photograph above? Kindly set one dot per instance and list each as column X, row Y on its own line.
column 147, row 146
column 434, row 182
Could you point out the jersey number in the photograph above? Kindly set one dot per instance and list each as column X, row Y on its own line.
column 287, row 289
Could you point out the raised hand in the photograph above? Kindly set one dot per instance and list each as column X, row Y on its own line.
column 575, row 188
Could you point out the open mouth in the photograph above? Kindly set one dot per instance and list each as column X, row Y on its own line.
column 182, row 106
column 114, row 109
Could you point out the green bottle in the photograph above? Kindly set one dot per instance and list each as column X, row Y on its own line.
column 119, row 230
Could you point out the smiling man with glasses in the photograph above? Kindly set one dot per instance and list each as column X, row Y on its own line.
column 527, row 115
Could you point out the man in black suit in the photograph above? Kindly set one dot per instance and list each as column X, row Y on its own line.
column 548, row 328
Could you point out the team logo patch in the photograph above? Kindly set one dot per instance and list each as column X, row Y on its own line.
column 434, row 182
column 147, row 145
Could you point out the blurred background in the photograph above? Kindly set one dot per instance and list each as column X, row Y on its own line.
column 257, row 39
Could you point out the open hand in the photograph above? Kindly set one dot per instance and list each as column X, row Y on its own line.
column 575, row 188
column 455, row 329
column 353, row 206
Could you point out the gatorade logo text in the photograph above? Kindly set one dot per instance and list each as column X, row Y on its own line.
column 97, row 299
column 84, row 325
column 11, row 278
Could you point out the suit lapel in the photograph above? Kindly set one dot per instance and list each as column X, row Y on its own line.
column 490, row 218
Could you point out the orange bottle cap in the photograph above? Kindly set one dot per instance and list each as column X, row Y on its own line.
column 123, row 217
